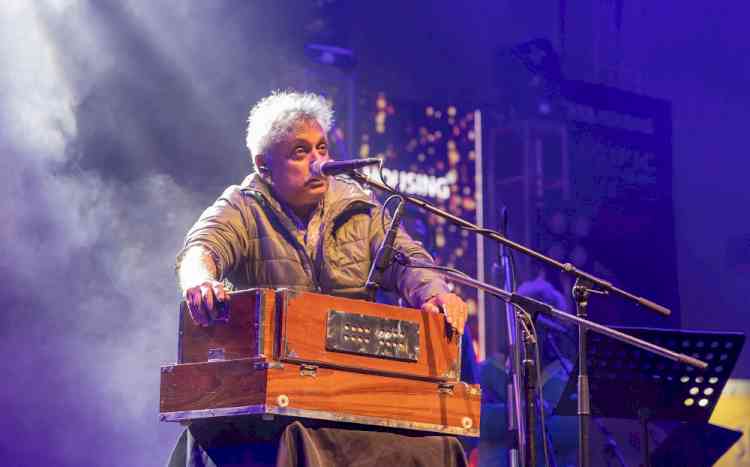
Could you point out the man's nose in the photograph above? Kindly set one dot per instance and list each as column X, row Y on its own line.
column 319, row 155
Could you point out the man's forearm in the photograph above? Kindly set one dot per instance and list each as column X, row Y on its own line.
column 197, row 265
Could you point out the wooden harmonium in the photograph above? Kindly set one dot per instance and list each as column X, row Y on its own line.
column 308, row 355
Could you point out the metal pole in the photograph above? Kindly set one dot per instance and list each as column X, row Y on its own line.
column 581, row 296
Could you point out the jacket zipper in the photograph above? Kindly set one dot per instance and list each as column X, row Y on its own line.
column 307, row 261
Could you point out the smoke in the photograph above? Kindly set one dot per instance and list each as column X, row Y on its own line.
column 119, row 122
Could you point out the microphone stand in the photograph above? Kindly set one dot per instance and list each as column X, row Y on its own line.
column 585, row 284
column 530, row 384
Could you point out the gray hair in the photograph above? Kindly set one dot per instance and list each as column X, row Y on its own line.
column 274, row 116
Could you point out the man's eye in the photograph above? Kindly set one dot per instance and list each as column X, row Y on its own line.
column 322, row 147
column 300, row 151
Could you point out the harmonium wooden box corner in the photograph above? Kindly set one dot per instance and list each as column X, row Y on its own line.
column 308, row 355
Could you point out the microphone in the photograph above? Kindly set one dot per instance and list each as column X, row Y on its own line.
column 385, row 252
column 321, row 168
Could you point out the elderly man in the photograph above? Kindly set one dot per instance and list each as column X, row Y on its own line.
column 284, row 227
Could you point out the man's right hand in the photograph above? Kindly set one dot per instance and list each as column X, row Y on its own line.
column 203, row 301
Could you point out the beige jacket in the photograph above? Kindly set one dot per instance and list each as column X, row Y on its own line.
column 256, row 244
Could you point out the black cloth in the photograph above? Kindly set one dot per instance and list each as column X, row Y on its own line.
column 307, row 443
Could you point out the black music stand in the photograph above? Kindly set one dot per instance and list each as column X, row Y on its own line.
column 631, row 383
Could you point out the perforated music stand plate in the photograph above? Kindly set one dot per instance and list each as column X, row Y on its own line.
column 625, row 380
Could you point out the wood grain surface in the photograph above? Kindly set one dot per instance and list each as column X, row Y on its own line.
column 239, row 337
column 364, row 395
column 304, row 338
column 210, row 385
column 328, row 394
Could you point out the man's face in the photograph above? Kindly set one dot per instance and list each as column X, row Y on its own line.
column 290, row 163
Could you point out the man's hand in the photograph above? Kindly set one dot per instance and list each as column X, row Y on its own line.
column 203, row 301
column 455, row 309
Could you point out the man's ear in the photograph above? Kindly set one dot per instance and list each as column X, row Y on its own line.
column 261, row 164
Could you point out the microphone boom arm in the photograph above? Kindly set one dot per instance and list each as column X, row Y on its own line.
column 568, row 268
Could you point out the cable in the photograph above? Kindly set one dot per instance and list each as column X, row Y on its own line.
column 385, row 209
column 403, row 259
column 382, row 177
column 542, row 416
column 528, row 324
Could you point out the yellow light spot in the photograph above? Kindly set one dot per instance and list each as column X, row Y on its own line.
column 380, row 122
column 381, row 102
column 472, row 306
column 429, row 111
column 439, row 240
column 451, row 111
column 364, row 150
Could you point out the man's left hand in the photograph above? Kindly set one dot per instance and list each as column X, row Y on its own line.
column 451, row 305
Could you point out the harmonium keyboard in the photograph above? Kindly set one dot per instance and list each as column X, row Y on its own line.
column 306, row 355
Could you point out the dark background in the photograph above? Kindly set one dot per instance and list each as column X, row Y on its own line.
column 121, row 121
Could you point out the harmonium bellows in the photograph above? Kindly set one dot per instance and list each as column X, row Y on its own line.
column 307, row 355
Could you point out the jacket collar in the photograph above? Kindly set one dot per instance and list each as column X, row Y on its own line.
column 341, row 194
